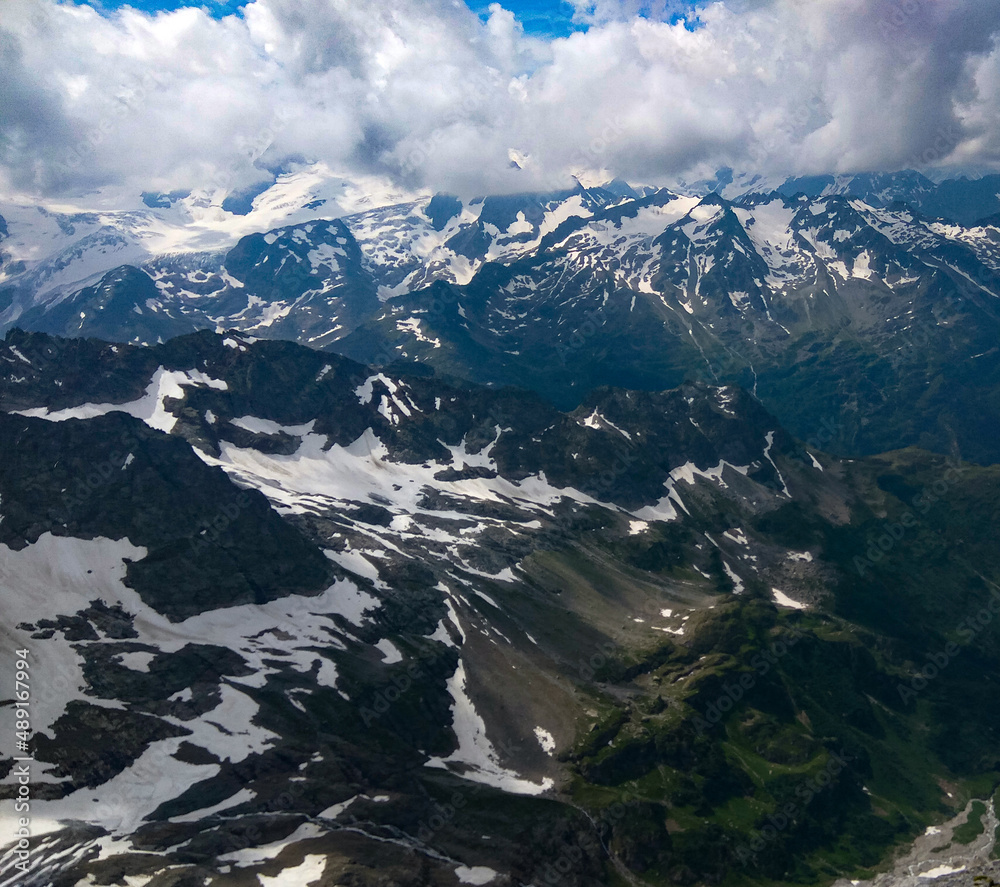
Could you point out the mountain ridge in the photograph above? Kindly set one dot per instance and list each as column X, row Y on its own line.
column 885, row 309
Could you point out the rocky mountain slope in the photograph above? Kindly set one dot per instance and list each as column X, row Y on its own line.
column 863, row 322
column 879, row 322
column 291, row 617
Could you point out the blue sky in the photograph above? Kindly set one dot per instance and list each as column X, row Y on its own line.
column 544, row 18
column 540, row 18
column 218, row 9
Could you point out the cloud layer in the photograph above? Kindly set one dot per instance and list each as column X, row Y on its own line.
column 430, row 95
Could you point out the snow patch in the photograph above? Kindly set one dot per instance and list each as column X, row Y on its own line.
column 243, row 796
column 476, row 875
column 266, row 426
column 150, row 408
column 475, row 758
column 769, row 439
column 738, row 587
column 941, row 870
column 256, row 855
column 783, row 600
column 307, row 872
column 545, row 740
column 390, row 652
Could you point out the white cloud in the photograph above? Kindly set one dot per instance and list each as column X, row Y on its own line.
column 427, row 93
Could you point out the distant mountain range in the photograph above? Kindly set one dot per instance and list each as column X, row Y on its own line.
column 862, row 309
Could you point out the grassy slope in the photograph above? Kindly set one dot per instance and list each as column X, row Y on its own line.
column 822, row 764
